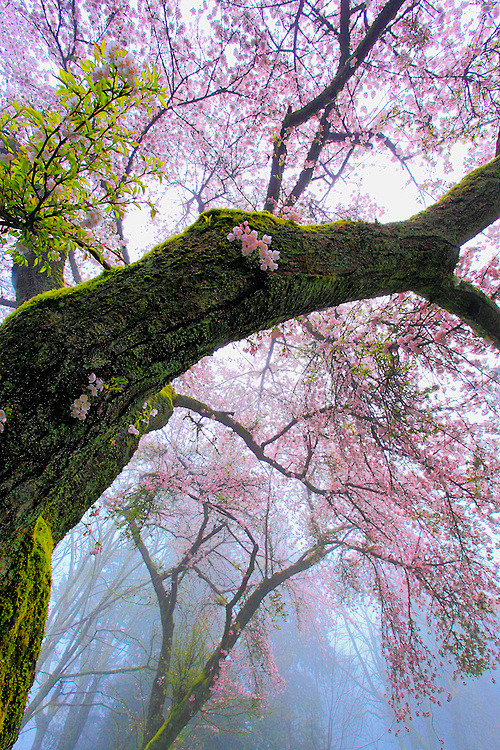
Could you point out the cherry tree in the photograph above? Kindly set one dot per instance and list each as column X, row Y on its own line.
column 331, row 448
column 228, row 555
column 259, row 106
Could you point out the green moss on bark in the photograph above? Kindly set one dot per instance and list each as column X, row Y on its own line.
column 98, row 464
column 465, row 210
column 24, row 599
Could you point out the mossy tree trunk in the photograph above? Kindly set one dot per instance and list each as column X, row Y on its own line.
column 141, row 326
column 24, row 601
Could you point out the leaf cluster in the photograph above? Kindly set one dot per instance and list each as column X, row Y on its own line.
column 60, row 169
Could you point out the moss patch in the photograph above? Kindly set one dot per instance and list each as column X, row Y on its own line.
column 23, row 608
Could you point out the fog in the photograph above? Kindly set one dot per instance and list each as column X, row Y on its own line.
column 320, row 689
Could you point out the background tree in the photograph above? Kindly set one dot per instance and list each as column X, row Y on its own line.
column 306, row 80
column 238, row 562
column 90, row 639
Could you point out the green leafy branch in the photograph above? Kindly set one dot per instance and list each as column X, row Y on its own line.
column 60, row 176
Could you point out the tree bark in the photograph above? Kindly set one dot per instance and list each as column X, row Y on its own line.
column 141, row 326
column 24, row 602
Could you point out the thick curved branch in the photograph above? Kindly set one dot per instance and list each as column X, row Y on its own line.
column 140, row 326
column 187, row 402
column 466, row 209
column 472, row 306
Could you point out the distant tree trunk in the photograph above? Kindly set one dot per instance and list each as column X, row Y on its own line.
column 78, row 716
column 42, row 721
column 28, row 281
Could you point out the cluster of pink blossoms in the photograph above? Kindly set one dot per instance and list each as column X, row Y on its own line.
column 250, row 242
column 146, row 416
column 92, row 218
column 3, row 419
column 294, row 214
column 81, row 405
column 125, row 65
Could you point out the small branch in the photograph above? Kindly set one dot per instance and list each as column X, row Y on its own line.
column 156, row 578
column 386, row 15
column 186, row 402
column 346, row 69
column 296, row 33
column 93, row 253
column 7, row 302
column 344, row 37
